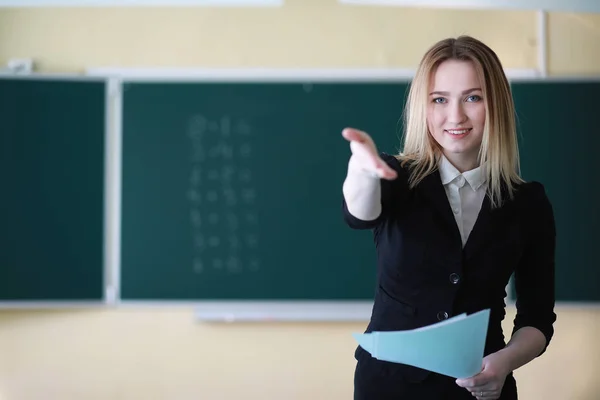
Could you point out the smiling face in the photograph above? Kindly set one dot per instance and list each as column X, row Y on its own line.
column 456, row 112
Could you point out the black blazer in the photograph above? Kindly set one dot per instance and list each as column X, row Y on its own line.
column 424, row 274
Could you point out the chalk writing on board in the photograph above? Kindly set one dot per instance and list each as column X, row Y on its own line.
column 222, row 198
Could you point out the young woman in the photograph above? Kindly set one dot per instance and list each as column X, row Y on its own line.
column 452, row 220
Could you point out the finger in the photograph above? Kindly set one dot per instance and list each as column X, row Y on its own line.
column 466, row 383
column 356, row 135
column 480, row 389
column 370, row 161
column 484, row 386
column 487, row 396
column 384, row 171
column 478, row 381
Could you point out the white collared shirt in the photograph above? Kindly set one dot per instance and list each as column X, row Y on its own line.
column 465, row 193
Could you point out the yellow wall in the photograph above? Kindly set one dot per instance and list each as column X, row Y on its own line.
column 304, row 33
column 162, row 353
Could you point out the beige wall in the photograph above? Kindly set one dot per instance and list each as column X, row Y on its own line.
column 162, row 353
column 304, row 33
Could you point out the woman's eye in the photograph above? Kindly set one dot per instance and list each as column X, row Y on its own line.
column 473, row 98
column 439, row 100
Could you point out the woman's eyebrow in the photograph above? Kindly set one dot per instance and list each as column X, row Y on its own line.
column 448, row 93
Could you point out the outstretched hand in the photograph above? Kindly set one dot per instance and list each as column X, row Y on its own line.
column 365, row 153
column 488, row 384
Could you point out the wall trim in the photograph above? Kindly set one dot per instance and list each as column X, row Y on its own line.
column 274, row 74
column 140, row 3
column 584, row 6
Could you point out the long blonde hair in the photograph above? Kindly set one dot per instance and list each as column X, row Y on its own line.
column 499, row 154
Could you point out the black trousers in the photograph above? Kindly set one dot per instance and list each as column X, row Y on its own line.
column 379, row 380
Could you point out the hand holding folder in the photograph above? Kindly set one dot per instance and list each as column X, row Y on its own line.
column 453, row 347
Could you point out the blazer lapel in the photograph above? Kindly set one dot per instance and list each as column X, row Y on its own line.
column 433, row 192
column 488, row 226
column 482, row 230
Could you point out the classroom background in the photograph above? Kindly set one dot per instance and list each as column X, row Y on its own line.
column 160, row 351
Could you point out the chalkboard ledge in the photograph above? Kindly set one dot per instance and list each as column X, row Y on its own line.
column 43, row 304
column 293, row 311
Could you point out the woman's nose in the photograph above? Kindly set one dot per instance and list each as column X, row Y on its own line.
column 456, row 113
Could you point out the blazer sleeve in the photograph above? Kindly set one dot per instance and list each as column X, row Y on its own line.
column 390, row 192
column 534, row 276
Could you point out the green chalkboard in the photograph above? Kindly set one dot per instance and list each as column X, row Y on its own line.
column 52, row 174
column 233, row 190
column 559, row 139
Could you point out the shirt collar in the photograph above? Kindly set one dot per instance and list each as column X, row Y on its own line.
column 448, row 173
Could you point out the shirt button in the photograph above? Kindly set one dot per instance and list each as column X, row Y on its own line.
column 455, row 210
column 442, row 315
column 454, row 278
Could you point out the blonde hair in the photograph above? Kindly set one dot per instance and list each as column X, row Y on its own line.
column 499, row 154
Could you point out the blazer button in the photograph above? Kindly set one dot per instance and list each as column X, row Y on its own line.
column 442, row 315
column 454, row 278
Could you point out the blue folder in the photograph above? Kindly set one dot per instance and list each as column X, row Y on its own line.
column 453, row 347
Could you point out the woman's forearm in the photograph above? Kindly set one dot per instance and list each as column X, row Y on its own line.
column 525, row 345
column 362, row 192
